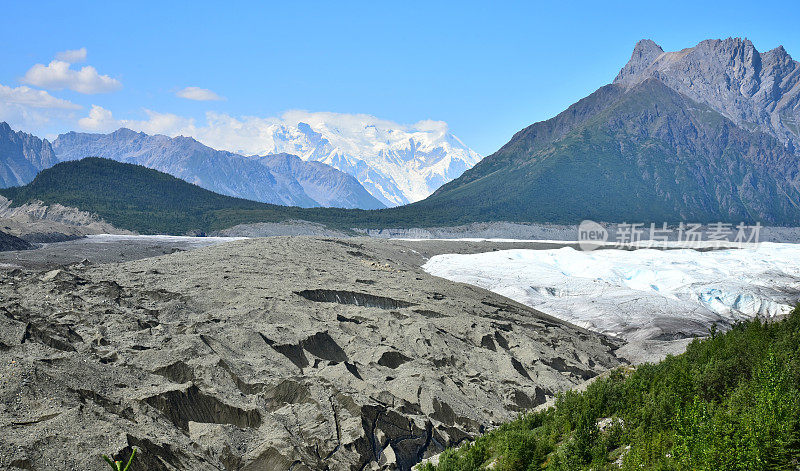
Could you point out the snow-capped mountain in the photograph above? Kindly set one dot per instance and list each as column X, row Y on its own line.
column 278, row 179
column 396, row 163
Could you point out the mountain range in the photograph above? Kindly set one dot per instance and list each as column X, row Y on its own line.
column 358, row 162
column 397, row 165
column 707, row 134
column 277, row 179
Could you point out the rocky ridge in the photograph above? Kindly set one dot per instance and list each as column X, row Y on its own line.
column 756, row 90
column 37, row 222
column 22, row 156
column 10, row 242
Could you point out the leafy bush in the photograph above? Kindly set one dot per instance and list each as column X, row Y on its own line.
column 731, row 401
column 117, row 465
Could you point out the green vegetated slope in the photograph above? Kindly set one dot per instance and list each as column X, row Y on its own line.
column 731, row 402
column 145, row 200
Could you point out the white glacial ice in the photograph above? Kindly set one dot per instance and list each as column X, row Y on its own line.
column 638, row 294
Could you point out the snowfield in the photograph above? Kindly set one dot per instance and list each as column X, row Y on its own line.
column 639, row 294
column 396, row 163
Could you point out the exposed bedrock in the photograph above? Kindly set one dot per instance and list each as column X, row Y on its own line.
column 284, row 353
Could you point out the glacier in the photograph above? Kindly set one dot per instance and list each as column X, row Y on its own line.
column 638, row 294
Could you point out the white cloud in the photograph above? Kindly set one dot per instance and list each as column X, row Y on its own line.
column 162, row 123
column 102, row 120
column 251, row 135
column 198, row 94
column 356, row 122
column 29, row 97
column 58, row 75
column 248, row 135
column 256, row 135
column 29, row 109
column 72, row 55
column 33, row 120
column 99, row 119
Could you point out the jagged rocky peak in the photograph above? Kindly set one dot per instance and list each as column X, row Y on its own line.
column 648, row 47
column 649, row 59
column 759, row 91
column 644, row 54
column 125, row 132
column 22, row 156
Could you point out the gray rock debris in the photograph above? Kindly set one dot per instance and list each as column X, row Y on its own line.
column 10, row 242
column 39, row 223
column 283, row 353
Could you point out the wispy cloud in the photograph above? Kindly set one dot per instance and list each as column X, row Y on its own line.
column 30, row 97
column 58, row 76
column 72, row 55
column 250, row 135
column 103, row 120
column 198, row 94
column 30, row 109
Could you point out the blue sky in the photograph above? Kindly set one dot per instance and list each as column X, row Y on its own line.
column 488, row 69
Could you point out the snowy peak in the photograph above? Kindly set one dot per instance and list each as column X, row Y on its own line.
column 397, row 164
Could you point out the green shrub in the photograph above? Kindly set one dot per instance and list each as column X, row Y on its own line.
column 731, row 401
column 117, row 465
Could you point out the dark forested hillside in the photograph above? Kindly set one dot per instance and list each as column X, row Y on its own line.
column 137, row 198
column 148, row 201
